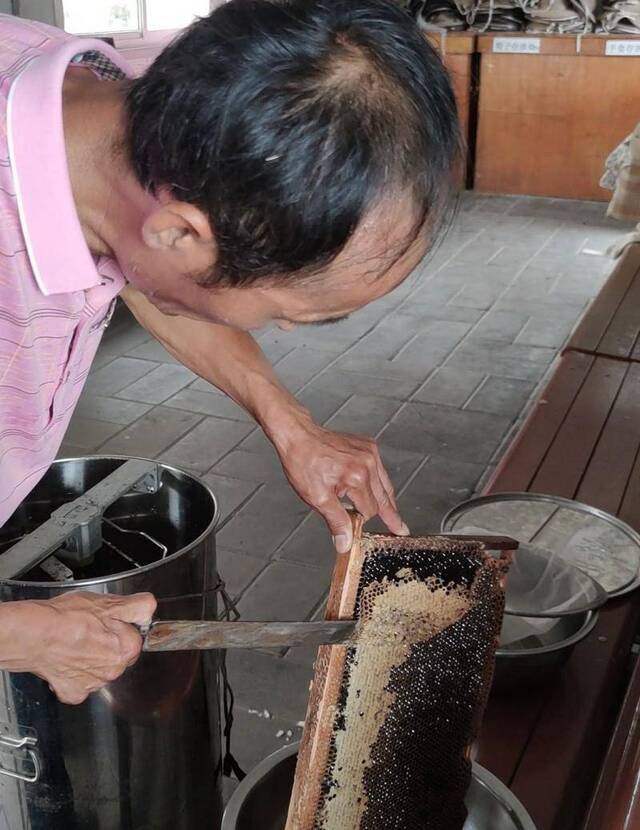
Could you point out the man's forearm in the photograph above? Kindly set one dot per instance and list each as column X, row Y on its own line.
column 322, row 466
column 228, row 358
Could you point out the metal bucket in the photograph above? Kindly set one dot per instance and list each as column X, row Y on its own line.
column 144, row 752
column 535, row 660
column 262, row 799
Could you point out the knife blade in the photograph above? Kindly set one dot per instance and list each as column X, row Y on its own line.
column 185, row 635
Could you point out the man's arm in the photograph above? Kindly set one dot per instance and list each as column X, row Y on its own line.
column 322, row 466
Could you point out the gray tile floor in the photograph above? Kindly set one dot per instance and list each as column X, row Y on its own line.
column 439, row 371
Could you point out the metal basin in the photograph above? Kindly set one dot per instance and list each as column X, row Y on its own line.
column 262, row 799
column 533, row 660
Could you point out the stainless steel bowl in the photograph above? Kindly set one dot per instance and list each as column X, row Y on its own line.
column 262, row 799
column 533, row 660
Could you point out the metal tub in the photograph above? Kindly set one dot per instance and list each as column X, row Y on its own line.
column 144, row 752
column 535, row 660
column 262, row 799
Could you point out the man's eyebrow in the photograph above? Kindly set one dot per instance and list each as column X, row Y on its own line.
column 328, row 321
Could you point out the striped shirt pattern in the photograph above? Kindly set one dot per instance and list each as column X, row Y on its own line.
column 49, row 327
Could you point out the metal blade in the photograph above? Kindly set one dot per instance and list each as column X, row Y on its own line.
column 184, row 635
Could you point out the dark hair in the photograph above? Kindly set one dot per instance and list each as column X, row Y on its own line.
column 285, row 122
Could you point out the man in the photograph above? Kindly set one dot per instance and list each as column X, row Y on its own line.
column 278, row 163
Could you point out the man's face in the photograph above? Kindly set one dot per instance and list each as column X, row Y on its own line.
column 375, row 261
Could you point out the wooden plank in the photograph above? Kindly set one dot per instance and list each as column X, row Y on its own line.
column 509, row 722
column 520, row 463
column 459, row 67
column 556, row 44
column 568, row 456
column 629, row 510
column 546, row 123
column 596, row 45
column 325, row 688
column 616, row 803
column 564, row 753
column 552, row 741
column 605, row 480
column 525, row 716
column 453, row 43
column 621, row 338
column 598, row 317
column 456, row 50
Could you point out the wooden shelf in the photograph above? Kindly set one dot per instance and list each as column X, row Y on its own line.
column 548, row 121
column 457, row 50
column 453, row 43
column 570, row 45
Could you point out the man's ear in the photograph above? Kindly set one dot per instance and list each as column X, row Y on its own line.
column 175, row 226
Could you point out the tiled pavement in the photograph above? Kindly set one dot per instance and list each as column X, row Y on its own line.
column 439, row 371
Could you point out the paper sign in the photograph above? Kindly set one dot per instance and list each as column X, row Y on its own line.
column 623, row 48
column 517, row 45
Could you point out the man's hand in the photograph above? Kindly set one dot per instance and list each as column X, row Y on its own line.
column 324, row 467
column 77, row 642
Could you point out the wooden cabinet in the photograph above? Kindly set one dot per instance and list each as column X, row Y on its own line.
column 457, row 50
column 547, row 121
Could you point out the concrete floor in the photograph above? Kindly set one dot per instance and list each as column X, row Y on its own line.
column 440, row 371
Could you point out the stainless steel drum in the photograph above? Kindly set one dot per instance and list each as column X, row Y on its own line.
column 143, row 753
column 262, row 799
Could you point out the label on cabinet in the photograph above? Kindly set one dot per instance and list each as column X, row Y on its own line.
column 517, row 45
column 623, row 48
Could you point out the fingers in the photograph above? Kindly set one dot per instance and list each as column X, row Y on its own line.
column 129, row 644
column 363, row 499
column 371, row 492
column 384, row 479
column 91, row 642
column 387, row 510
column 324, row 466
column 339, row 522
column 73, row 688
column 137, row 608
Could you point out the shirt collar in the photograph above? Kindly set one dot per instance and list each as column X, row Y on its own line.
column 59, row 255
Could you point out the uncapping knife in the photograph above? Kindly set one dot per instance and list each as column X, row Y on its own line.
column 185, row 635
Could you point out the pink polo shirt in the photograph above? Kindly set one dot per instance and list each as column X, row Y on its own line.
column 55, row 297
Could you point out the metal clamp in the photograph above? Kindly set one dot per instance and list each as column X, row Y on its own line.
column 28, row 745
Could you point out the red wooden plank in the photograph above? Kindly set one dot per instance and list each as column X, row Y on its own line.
column 593, row 326
column 567, row 458
column 605, row 480
column 507, row 727
column 520, row 463
column 621, row 336
column 616, row 803
column 552, row 741
column 630, row 509
column 556, row 775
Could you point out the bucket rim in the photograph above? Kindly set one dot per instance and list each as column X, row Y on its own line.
column 482, row 776
column 103, row 580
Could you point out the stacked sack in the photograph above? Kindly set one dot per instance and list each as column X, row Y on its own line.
column 536, row 16
column 493, row 15
column 621, row 17
column 560, row 16
column 441, row 14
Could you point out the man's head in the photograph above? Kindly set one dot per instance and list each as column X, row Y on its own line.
column 300, row 154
